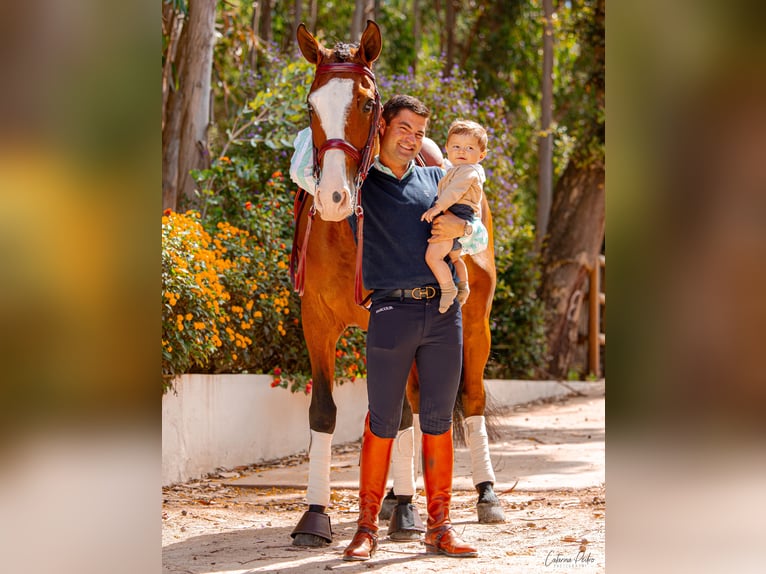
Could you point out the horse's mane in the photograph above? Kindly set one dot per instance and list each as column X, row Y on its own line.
column 343, row 52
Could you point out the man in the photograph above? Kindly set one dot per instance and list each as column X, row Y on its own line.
column 406, row 325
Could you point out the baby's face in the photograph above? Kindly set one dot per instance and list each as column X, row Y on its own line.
column 464, row 148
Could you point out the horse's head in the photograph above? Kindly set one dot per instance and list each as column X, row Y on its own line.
column 344, row 108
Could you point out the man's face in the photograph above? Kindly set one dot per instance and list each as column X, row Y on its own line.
column 402, row 138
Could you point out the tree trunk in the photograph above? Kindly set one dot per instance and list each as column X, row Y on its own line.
column 297, row 18
column 313, row 16
column 363, row 10
column 172, row 25
column 184, row 137
column 255, row 44
column 356, row 21
column 264, row 28
column 545, row 140
column 288, row 41
column 571, row 252
column 450, row 23
column 416, row 32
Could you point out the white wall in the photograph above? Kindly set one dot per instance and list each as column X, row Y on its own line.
column 230, row 420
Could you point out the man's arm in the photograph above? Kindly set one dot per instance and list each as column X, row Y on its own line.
column 302, row 161
column 448, row 226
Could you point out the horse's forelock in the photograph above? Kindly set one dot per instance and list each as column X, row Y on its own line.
column 344, row 52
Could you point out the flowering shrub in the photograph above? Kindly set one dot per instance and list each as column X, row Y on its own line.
column 193, row 296
column 350, row 364
column 228, row 302
column 226, row 307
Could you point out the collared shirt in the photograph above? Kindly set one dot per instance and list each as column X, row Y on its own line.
column 382, row 168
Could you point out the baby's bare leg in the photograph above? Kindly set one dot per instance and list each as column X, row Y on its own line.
column 435, row 254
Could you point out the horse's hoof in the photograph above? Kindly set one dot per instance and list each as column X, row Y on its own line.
column 387, row 506
column 488, row 508
column 489, row 513
column 405, row 525
column 406, row 535
column 313, row 529
column 310, row 540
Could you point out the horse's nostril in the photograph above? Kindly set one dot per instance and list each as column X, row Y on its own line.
column 336, row 197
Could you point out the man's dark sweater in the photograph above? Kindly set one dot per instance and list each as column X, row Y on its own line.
column 395, row 239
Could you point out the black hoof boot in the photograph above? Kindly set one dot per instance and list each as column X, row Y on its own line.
column 387, row 507
column 313, row 529
column 405, row 525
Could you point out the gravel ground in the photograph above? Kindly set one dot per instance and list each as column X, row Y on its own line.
column 212, row 526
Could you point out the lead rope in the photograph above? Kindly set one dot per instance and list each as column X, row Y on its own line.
column 365, row 166
column 298, row 254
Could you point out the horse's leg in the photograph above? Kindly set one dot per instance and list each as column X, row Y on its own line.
column 476, row 347
column 405, row 523
column 314, row 529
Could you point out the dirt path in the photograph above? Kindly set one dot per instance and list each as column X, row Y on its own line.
column 216, row 525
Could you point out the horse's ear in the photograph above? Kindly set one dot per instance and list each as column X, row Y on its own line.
column 309, row 46
column 370, row 44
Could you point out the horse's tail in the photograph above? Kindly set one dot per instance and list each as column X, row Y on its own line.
column 492, row 412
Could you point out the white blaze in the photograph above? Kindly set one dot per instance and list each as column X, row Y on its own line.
column 331, row 104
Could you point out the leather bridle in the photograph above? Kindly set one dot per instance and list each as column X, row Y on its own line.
column 363, row 157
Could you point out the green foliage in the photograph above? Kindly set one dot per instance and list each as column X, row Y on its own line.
column 227, row 306
column 518, row 338
column 245, row 204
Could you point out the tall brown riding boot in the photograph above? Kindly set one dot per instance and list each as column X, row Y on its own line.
column 438, row 459
column 373, row 472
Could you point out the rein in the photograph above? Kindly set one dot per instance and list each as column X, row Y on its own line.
column 364, row 159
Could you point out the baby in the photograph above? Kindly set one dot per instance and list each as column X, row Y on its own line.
column 460, row 192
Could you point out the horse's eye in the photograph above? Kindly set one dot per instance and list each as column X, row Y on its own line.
column 310, row 108
column 368, row 106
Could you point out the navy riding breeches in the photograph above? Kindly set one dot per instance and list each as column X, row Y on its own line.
column 403, row 330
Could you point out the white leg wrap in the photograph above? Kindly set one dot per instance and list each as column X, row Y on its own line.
column 418, row 443
column 401, row 463
column 320, row 453
column 478, row 444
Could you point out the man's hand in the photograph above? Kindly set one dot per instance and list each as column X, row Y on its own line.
column 446, row 227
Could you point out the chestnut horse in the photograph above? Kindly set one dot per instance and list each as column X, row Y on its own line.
column 344, row 108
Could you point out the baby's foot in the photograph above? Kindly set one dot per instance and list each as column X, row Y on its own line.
column 448, row 296
column 462, row 292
